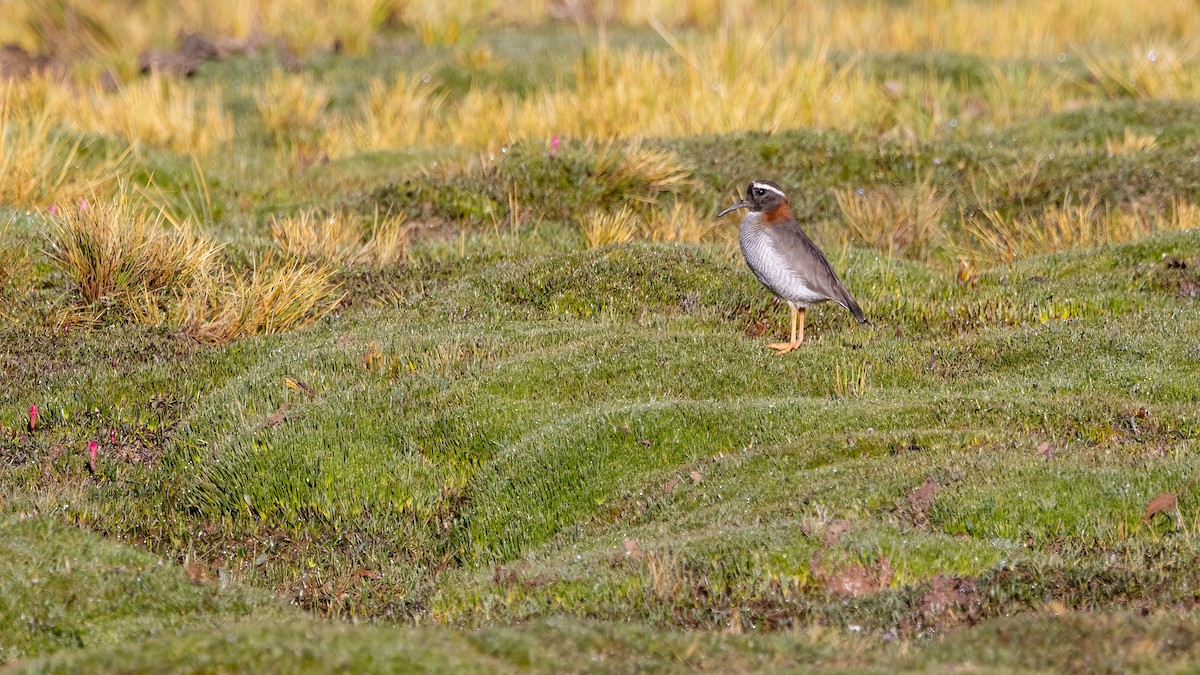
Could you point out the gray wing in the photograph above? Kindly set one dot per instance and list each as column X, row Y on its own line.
column 805, row 259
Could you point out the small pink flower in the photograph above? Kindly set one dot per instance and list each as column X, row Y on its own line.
column 554, row 146
column 92, row 451
column 32, row 417
column 112, row 436
column 83, row 204
column 53, row 209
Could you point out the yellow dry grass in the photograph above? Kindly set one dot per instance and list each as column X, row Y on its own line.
column 1130, row 142
column 999, row 29
column 273, row 297
column 123, row 259
column 396, row 114
column 38, row 165
column 157, row 111
column 1072, row 224
column 680, row 223
column 603, row 228
column 775, row 72
column 292, row 107
column 341, row 239
column 1150, row 70
column 120, row 255
column 904, row 220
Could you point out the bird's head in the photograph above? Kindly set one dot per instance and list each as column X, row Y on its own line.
column 762, row 196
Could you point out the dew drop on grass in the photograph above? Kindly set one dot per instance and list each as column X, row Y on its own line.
column 953, row 123
column 426, row 78
column 1062, row 58
column 1152, row 55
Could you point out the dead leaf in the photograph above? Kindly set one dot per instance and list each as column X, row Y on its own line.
column 696, row 476
column 198, row 574
column 855, row 580
column 1045, row 450
column 631, row 548
column 366, row 573
column 950, row 602
column 278, row 417
column 834, row 532
column 299, row 385
column 669, row 486
column 916, row 505
column 1164, row 503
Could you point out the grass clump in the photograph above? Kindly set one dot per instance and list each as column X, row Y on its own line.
column 273, row 297
column 38, row 162
column 124, row 259
column 156, row 111
column 125, row 263
column 338, row 238
column 396, row 114
column 1069, row 226
column 605, row 228
column 907, row 221
column 292, row 108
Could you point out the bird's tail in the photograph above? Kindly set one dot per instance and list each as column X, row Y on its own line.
column 855, row 309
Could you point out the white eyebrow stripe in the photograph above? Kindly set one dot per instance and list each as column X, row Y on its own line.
column 768, row 187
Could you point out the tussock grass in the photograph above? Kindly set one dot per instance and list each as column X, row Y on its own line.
column 1071, row 225
column 1150, row 70
column 292, row 107
column 123, row 261
column 39, row 164
column 340, row 239
column 157, row 111
column 1130, row 142
column 682, row 222
column 905, row 221
column 398, row 114
column 273, row 297
column 603, row 228
column 122, row 258
column 1030, row 28
column 640, row 172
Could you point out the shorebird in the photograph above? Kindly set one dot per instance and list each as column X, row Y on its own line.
column 785, row 260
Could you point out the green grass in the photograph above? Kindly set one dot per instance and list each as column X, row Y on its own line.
column 580, row 456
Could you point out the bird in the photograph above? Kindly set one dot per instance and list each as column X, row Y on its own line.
column 785, row 260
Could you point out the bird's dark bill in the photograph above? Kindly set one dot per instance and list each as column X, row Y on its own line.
column 740, row 205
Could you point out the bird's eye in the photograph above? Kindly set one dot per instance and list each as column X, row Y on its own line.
column 758, row 192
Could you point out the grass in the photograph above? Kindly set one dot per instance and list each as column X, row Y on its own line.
column 433, row 329
column 338, row 239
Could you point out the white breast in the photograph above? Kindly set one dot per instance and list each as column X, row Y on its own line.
column 771, row 267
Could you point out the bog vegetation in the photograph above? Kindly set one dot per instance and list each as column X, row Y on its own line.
column 417, row 313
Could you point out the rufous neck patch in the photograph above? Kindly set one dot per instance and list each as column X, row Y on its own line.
column 778, row 215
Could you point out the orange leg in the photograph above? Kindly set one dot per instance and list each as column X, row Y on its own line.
column 782, row 348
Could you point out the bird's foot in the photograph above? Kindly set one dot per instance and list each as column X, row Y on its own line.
column 782, row 348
